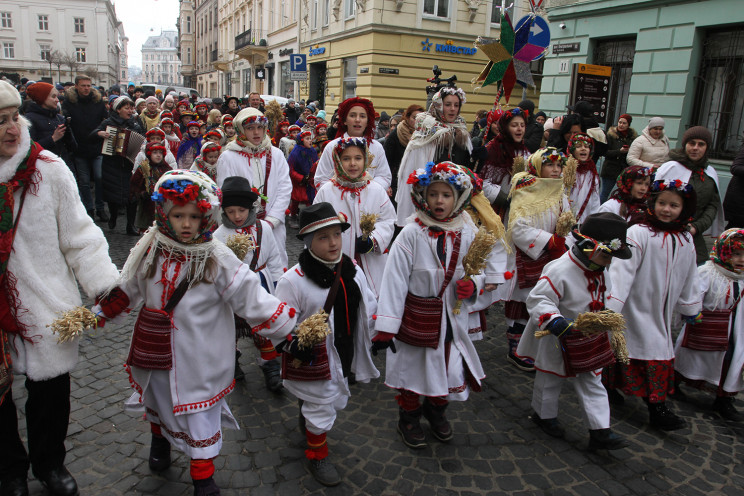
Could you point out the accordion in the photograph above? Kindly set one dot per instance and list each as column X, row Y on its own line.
column 123, row 143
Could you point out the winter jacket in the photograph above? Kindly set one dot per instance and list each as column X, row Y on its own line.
column 86, row 114
column 43, row 124
column 615, row 163
column 533, row 132
column 733, row 204
column 117, row 170
column 394, row 151
column 648, row 152
column 292, row 114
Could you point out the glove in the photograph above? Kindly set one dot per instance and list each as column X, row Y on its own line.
column 113, row 303
column 364, row 246
column 465, row 289
column 693, row 319
column 556, row 246
column 383, row 341
column 560, row 327
column 292, row 346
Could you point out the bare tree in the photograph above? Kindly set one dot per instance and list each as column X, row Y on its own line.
column 55, row 58
column 93, row 72
column 71, row 61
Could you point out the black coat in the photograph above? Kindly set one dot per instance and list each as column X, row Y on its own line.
column 292, row 114
column 86, row 115
column 43, row 124
column 615, row 158
column 117, row 170
column 394, row 151
column 733, row 202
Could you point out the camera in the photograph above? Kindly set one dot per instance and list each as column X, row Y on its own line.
column 562, row 25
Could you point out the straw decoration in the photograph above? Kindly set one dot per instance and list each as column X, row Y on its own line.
column 569, row 173
column 367, row 224
column 72, row 323
column 520, row 165
column 476, row 258
column 565, row 223
column 240, row 244
column 273, row 112
column 311, row 331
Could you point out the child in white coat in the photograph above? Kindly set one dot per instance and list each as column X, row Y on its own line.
column 575, row 283
column 584, row 196
column 659, row 282
column 710, row 355
column 433, row 355
column 326, row 279
column 629, row 199
column 353, row 193
column 190, row 286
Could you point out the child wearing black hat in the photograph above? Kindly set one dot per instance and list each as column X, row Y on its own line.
column 574, row 284
column 263, row 257
column 326, row 278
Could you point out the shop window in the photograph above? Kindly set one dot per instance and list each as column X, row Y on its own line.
column 6, row 19
column 437, row 8
column 719, row 93
column 350, row 77
column 496, row 11
column 8, row 50
column 79, row 25
column 286, row 84
column 43, row 22
column 618, row 54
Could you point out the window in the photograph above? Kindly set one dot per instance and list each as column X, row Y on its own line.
column 350, row 76
column 496, row 12
column 349, row 8
column 315, row 14
column 618, row 54
column 43, row 22
column 188, row 24
column 8, row 50
column 80, row 54
column 246, row 81
column 326, row 12
column 438, row 8
column 6, row 20
column 79, row 24
column 123, row 74
column 719, row 94
column 45, row 52
column 188, row 55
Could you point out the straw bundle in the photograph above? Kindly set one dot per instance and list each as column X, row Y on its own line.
column 520, row 165
column 367, row 224
column 565, row 223
column 569, row 173
column 241, row 244
column 72, row 323
column 311, row 331
column 476, row 258
column 274, row 114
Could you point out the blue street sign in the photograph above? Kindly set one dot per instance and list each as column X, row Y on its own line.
column 298, row 62
column 539, row 31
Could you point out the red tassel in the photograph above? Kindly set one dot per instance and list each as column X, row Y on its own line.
column 374, row 317
column 508, row 275
column 292, row 312
column 532, row 245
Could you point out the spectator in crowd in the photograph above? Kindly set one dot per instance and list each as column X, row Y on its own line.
column 383, row 126
column 86, row 109
column 651, row 148
column 619, row 139
column 533, row 131
column 47, row 125
column 292, row 111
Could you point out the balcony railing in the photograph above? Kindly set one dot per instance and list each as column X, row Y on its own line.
column 253, row 37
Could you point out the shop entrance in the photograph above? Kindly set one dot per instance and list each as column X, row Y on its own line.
column 317, row 83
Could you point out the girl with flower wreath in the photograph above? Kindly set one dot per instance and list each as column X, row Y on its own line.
column 650, row 289
column 440, row 135
column 538, row 198
column 716, row 364
column 142, row 184
column 433, row 355
column 629, row 199
column 253, row 157
column 352, row 193
column 190, row 287
column 206, row 162
column 584, row 195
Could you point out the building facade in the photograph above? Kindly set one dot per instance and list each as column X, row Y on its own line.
column 186, row 42
column 206, row 48
column 680, row 60
column 160, row 62
column 55, row 41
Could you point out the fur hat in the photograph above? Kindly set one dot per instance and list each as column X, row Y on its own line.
column 9, row 96
column 318, row 216
column 695, row 132
column 343, row 112
column 38, row 92
column 237, row 192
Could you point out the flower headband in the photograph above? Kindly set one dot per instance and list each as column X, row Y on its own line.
column 674, row 185
column 580, row 138
column 550, row 155
column 256, row 119
column 193, row 124
column 458, row 92
column 155, row 131
column 444, row 172
column 516, row 111
column 294, row 127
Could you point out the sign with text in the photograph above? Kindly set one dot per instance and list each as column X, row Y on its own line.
column 559, row 48
column 591, row 83
column 298, row 67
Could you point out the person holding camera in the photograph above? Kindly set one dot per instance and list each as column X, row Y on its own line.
column 48, row 127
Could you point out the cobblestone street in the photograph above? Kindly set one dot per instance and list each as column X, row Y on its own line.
column 497, row 449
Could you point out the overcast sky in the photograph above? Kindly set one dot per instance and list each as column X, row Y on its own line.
column 144, row 19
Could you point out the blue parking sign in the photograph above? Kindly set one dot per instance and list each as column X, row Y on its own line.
column 298, row 62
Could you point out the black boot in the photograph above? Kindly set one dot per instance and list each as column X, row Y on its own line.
column 114, row 211
column 615, row 397
column 724, row 405
column 160, row 453
column 206, row 487
column 605, row 439
column 550, row 426
column 101, row 214
column 301, row 421
column 324, row 472
column 273, row 375
column 131, row 214
column 58, row 481
column 409, row 428
column 663, row 418
column 239, row 374
column 440, row 426
column 14, row 487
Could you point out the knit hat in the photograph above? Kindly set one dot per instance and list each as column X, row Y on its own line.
column 604, row 231
column 122, row 100
column 321, row 114
column 9, row 96
column 695, row 132
column 318, row 216
column 655, row 122
column 39, row 92
column 139, row 100
column 111, row 99
column 151, row 147
column 627, row 117
column 156, row 131
column 237, row 192
column 151, row 99
column 169, row 98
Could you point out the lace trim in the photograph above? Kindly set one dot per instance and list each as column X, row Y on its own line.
column 199, row 405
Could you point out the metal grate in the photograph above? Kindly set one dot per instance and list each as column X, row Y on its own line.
column 618, row 54
column 719, row 94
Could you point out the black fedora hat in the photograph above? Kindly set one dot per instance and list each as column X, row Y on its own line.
column 236, row 191
column 318, row 216
column 608, row 229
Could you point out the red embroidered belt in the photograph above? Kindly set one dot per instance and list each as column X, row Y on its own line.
column 712, row 334
column 317, row 370
column 421, row 322
column 528, row 270
column 151, row 346
column 586, row 353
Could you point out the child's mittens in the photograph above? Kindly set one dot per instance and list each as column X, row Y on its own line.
column 465, row 289
column 364, row 245
column 113, row 303
column 556, row 246
column 382, row 341
column 560, row 327
column 693, row 319
column 292, row 346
